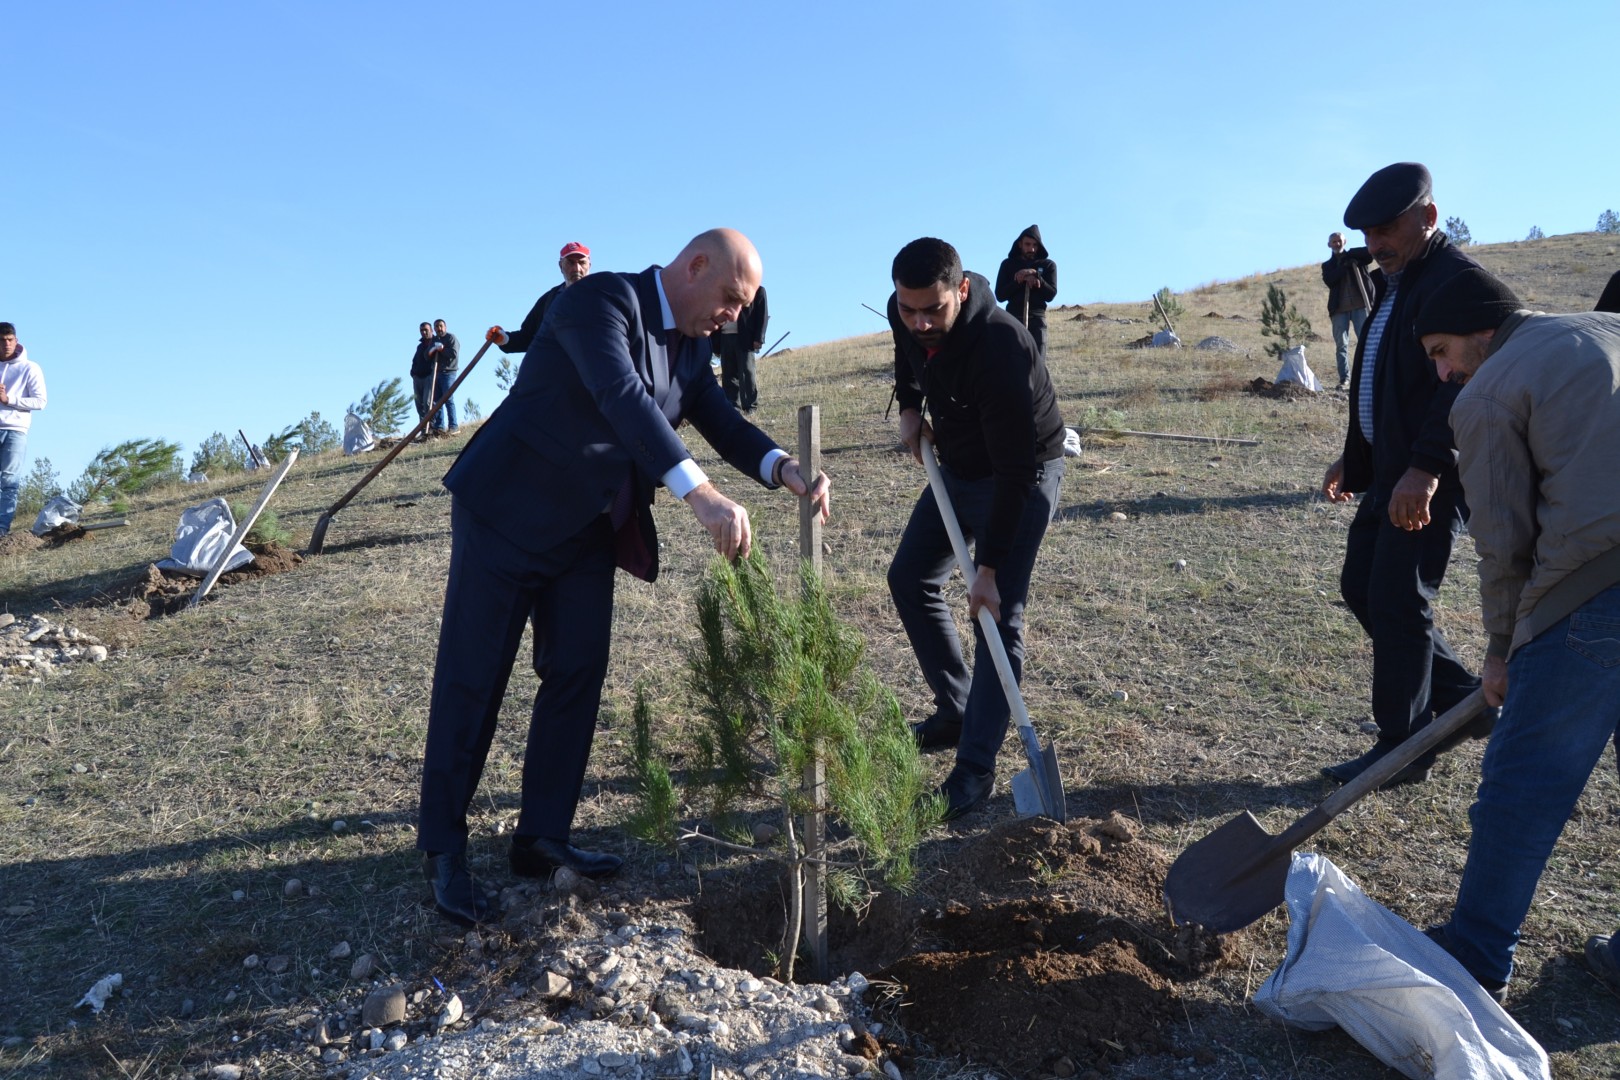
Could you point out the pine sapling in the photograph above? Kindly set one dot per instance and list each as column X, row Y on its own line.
column 1282, row 320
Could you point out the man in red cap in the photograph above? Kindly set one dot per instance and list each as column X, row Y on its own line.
column 575, row 263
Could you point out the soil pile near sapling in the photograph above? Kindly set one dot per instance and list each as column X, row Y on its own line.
column 154, row 593
column 1036, row 942
column 18, row 542
column 1267, row 389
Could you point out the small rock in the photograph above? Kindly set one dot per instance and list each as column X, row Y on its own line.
column 683, row 1061
column 1117, row 516
column 225, row 1072
column 1063, row 1067
column 824, row 1003
column 277, row 965
column 292, row 888
column 364, row 966
column 96, row 654
column 80, row 769
column 187, row 1007
column 750, row 986
column 396, row 1040
column 250, row 961
column 1179, row 566
column 238, row 895
column 340, row 951
column 765, row 832
column 340, row 825
column 565, row 880
column 384, row 1007
column 1120, row 695
column 321, row 1034
column 853, row 1065
column 447, row 1015
column 375, row 1039
column 611, row 1060
column 331, row 1056
column 590, row 1067
column 892, row 1071
column 553, row 985
column 857, row 982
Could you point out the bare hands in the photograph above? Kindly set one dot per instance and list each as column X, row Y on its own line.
column 820, row 492
column 1409, row 502
column 1495, row 680
column 1333, row 483
column 726, row 521
column 912, row 428
column 984, row 594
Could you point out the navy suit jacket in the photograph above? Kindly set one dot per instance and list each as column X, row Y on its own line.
column 595, row 403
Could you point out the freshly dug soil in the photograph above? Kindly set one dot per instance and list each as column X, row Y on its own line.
column 153, row 593
column 1040, row 948
column 18, row 542
column 1268, row 389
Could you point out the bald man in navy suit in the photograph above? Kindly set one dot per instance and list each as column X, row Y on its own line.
column 554, row 492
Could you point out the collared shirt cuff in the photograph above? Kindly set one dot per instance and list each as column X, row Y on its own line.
column 767, row 468
column 683, row 478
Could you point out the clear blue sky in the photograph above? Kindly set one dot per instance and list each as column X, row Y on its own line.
column 223, row 215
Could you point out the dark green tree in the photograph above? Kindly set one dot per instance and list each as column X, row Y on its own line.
column 1608, row 222
column 316, row 436
column 219, row 455
column 1457, row 229
column 1536, row 233
column 1282, row 320
column 385, row 407
column 1167, row 300
column 39, row 487
column 126, row 469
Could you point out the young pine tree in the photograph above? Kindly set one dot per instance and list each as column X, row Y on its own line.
column 1282, row 320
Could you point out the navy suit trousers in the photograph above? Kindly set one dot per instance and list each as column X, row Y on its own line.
column 494, row 587
column 921, row 566
column 1389, row 581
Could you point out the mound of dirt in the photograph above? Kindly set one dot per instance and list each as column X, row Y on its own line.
column 1284, row 390
column 154, row 593
column 18, row 542
column 1041, row 942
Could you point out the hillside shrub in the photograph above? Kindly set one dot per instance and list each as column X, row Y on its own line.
column 1457, row 229
column 219, row 456
column 1282, row 320
column 1608, row 222
column 1536, row 233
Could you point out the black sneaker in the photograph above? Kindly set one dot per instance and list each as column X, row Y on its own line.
column 967, row 788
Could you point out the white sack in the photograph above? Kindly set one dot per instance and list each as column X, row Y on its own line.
column 357, row 436
column 1166, row 339
column 1071, row 442
column 1354, row 963
column 59, row 511
column 200, row 539
column 1295, row 369
column 96, row 997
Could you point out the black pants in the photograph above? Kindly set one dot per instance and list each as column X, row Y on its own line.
column 1037, row 330
column 1390, row 579
column 493, row 589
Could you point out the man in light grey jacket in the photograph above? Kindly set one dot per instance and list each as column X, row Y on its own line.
column 1538, row 434
column 22, row 394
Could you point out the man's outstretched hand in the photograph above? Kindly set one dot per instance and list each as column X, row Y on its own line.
column 726, row 521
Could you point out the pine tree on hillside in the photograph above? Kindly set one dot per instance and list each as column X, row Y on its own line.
column 1457, row 229
column 1282, row 320
column 126, row 469
column 385, row 407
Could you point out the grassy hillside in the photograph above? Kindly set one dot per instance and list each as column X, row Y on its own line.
column 154, row 807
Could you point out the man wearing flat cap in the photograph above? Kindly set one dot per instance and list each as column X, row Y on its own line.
column 1399, row 455
column 1537, row 425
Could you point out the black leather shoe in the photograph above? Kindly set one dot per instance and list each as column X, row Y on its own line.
column 540, row 857
column 1346, row 771
column 967, row 788
column 936, row 734
column 455, row 894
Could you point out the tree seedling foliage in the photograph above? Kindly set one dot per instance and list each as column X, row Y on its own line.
column 129, row 468
column 1282, row 320
column 385, row 407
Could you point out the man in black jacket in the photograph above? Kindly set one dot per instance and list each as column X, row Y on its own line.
column 422, row 371
column 1027, row 282
column 996, row 426
column 1399, row 453
column 1350, row 293
column 575, row 262
column 740, row 343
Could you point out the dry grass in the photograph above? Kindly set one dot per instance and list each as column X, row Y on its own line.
column 220, row 745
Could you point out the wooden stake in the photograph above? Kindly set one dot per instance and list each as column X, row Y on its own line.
column 814, row 890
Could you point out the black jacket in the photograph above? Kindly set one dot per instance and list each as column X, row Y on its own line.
column 752, row 321
column 1411, row 406
column 990, row 402
column 518, row 340
column 1011, row 293
column 1349, row 285
column 422, row 360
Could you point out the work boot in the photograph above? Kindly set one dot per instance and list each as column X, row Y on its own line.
column 1346, row 771
column 1440, row 934
column 967, row 788
column 936, row 734
column 1600, row 958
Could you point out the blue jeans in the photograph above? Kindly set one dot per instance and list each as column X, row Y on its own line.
column 921, row 566
column 1341, row 338
column 440, row 389
column 12, row 444
column 1562, row 709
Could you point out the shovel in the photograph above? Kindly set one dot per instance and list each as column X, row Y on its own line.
column 1039, row 788
column 1239, row 872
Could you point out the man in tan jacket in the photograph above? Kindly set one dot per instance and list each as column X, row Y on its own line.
column 1538, row 435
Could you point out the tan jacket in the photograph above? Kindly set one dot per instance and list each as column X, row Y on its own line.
column 1538, row 435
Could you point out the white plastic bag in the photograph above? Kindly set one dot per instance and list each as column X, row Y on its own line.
column 1166, row 339
column 357, row 436
column 1071, row 442
column 1295, row 369
column 1354, row 963
column 59, row 511
column 200, row 538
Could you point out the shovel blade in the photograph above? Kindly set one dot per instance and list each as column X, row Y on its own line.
column 1039, row 788
column 1228, row 879
column 317, row 537
column 1026, row 795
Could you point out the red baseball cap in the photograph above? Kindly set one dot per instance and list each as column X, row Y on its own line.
column 574, row 247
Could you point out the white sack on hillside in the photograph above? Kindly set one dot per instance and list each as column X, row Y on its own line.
column 200, row 538
column 96, row 997
column 1295, row 369
column 59, row 511
column 1071, row 442
column 357, row 436
column 1165, row 339
column 1354, row 963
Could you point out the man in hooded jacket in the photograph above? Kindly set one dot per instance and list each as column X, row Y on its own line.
column 1027, row 282
column 994, row 420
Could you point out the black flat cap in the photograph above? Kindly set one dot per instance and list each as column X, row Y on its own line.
column 1387, row 194
column 1473, row 300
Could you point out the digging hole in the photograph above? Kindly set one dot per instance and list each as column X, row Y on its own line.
column 1036, row 947
column 152, row 594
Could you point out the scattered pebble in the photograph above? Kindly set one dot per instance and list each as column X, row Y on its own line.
column 1120, row 695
